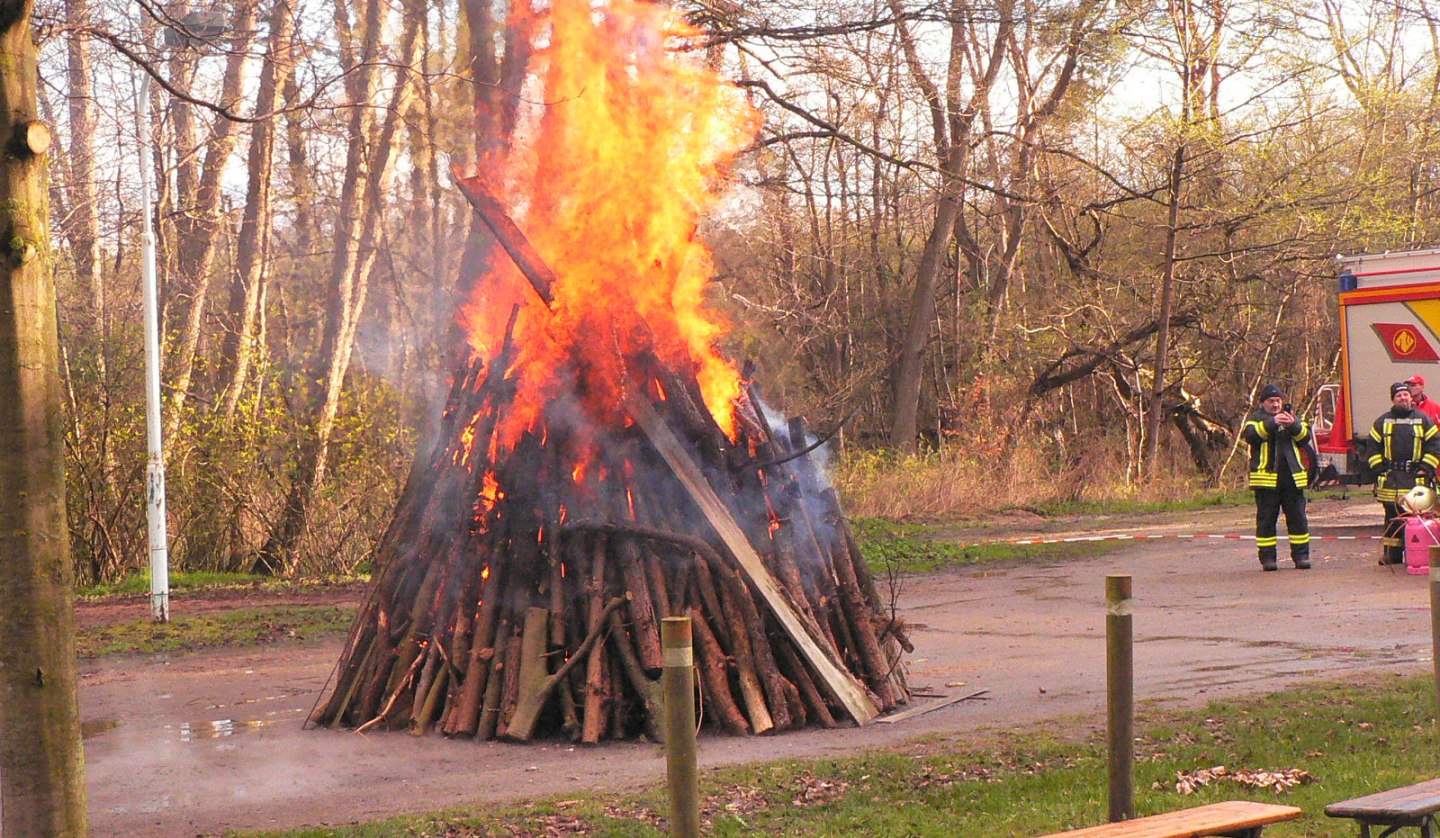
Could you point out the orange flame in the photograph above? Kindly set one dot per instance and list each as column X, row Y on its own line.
column 620, row 161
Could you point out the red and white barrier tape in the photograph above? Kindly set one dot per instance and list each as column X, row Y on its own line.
column 1140, row 536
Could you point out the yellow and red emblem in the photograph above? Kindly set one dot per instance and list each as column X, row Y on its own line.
column 1404, row 342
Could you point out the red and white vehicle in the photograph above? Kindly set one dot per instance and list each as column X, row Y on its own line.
column 1389, row 331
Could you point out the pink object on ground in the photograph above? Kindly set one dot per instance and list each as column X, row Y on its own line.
column 1420, row 535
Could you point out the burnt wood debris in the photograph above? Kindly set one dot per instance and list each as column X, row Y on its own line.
column 520, row 585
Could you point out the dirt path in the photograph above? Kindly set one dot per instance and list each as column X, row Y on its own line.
column 196, row 744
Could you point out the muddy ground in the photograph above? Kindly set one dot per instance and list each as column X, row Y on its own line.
column 195, row 744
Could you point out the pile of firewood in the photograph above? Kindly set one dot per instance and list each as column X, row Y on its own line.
column 521, row 594
column 522, row 581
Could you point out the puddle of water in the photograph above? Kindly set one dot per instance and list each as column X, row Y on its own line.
column 218, row 729
column 94, row 727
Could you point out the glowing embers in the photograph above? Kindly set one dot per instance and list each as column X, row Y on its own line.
column 490, row 494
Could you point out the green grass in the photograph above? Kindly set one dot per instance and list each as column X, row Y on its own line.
column 139, row 583
column 1352, row 739
column 1136, row 506
column 238, row 627
column 903, row 547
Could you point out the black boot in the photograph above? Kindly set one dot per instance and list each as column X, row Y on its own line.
column 1302, row 562
column 1268, row 563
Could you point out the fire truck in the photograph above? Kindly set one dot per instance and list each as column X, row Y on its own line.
column 1389, row 331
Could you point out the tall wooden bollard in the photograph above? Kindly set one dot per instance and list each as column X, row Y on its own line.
column 677, row 682
column 1120, row 696
column 1435, row 622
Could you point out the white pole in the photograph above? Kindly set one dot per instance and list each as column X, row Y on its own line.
column 155, row 465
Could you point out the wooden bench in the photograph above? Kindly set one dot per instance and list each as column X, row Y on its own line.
column 1397, row 808
column 1236, row 818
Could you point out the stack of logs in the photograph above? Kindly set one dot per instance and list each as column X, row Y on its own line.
column 520, row 587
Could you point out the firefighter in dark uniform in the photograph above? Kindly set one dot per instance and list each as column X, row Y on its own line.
column 1402, row 452
column 1278, row 476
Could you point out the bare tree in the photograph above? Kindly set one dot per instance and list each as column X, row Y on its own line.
column 42, row 784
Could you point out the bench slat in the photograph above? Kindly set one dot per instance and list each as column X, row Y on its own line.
column 1228, row 816
column 1407, row 802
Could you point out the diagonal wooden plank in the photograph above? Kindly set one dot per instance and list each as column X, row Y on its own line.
column 842, row 683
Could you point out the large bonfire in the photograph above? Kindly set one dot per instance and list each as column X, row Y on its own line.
column 599, row 465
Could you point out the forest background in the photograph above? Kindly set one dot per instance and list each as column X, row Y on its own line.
column 1011, row 249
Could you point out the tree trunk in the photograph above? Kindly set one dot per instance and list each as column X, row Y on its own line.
column 244, row 300
column 42, row 786
column 367, row 174
column 197, row 249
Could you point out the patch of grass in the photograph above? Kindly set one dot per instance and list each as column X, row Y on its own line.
column 906, row 547
column 1136, row 506
column 238, row 627
column 139, row 583
column 1351, row 739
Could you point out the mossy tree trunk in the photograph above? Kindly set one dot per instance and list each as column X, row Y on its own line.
column 42, row 766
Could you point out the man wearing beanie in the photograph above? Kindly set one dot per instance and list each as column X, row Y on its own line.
column 1402, row 452
column 1278, row 476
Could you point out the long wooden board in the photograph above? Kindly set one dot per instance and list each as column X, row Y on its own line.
column 841, row 682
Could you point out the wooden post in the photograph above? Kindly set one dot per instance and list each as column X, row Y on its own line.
column 678, row 682
column 1435, row 622
column 1120, row 696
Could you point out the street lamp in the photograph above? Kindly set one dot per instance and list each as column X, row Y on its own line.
column 194, row 27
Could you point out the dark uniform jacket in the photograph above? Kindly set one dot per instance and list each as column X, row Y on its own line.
column 1273, row 448
column 1402, row 446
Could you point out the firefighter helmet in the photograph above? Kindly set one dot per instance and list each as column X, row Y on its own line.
column 1419, row 500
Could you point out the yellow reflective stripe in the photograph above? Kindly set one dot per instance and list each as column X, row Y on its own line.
column 1376, row 460
column 1262, row 479
column 1259, row 428
column 1302, row 538
column 1375, row 434
column 1267, row 542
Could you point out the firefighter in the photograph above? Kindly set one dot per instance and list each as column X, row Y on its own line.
column 1278, row 476
column 1402, row 452
column 1423, row 403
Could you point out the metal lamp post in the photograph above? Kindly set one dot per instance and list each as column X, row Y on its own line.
column 197, row 26
column 158, row 538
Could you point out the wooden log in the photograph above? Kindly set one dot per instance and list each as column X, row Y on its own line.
column 465, row 721
column 646, row 688
column 597, row 671
column 796, row 674
column 359, row 648
column 659, row 590
column 795, row 703
column 704, row 580
column 533, row 672
column 423, row 684
column 522, row 725
column 488, row 208
column 516, row 654
column 643, row 625
column 427, row 711
column 752, row 625
column 711, row 662
column 863, row 576
column 337, row 715
column 490, row 712
column 752, row 694
column 876, row 666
